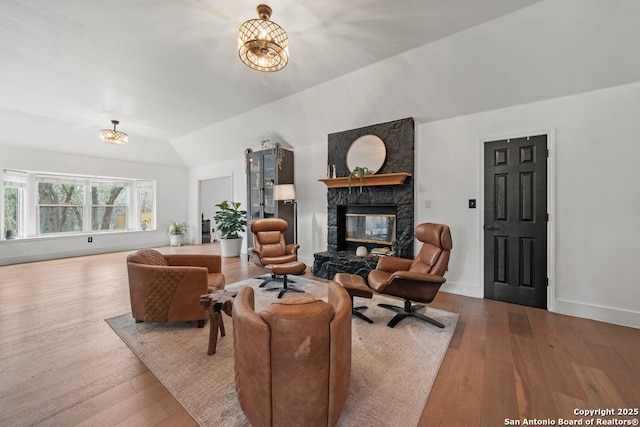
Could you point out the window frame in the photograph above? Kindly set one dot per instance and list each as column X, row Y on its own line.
column 30, row 209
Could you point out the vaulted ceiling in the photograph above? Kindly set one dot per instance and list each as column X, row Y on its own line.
column 168, row 68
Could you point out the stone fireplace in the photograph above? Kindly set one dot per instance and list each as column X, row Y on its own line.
column 381, row 212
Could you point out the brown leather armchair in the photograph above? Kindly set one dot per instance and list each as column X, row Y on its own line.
column 293, row 360
column 167, row 288
column 415, row 280
column 269, row 245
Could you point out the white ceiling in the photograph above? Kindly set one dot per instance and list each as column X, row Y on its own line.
column 167, row 68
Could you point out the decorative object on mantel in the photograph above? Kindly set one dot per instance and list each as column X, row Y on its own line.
column 331, row 171
column 263, row 45
column 367, row 152
column 113, row 136
column 369, row 180
column 359, row 172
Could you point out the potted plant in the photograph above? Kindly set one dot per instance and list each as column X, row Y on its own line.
column 231, row 221
column 176, row 232
column 10, row 229
column 359, row 172
column 405, row 239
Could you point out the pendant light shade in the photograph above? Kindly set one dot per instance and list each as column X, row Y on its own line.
column 262, row 44
column 113, row 136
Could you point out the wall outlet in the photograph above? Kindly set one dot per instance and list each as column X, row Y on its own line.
column 90, row 239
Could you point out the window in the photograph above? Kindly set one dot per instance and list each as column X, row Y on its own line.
column 13, row 198
column 67, row 204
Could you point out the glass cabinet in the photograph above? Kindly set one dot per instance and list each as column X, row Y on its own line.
column 266, row 168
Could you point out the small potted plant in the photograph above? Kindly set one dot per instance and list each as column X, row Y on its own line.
column 145, row 223
column 176, row 232
column 359, row 172
column 230, row 221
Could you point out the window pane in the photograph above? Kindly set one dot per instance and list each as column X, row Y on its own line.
column 105, row 195
column 11, row 208
column 60, row 194
column 145, row 206
column 60, row 219
column 108, row 218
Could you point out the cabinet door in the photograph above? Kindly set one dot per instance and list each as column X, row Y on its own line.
column 255, row 187
column 269, row 180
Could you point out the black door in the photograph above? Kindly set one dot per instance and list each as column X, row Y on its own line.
column 515, row 216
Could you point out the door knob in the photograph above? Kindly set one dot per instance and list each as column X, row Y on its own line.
column 490, row 227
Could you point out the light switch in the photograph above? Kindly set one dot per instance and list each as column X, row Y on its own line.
column 472, row 203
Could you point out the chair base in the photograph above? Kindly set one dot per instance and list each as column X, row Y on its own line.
column 408, row 311
column 270, row 279
column 357, row 311
column 284, row 288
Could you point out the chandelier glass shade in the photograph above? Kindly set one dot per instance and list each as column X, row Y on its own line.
column 113, row 136
column 262, row 44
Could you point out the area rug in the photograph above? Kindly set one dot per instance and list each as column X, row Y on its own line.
column 393, row 369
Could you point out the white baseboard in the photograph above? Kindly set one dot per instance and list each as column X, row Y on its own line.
column 20, row 259
column 465, row 289
column 596, row 312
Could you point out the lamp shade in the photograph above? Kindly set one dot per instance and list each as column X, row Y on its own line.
column 284, row 192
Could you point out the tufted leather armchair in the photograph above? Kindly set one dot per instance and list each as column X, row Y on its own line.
column 418, row 279
column 167, row 288
column 293, row 360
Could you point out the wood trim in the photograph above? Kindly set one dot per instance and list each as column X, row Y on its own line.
column 368, row 180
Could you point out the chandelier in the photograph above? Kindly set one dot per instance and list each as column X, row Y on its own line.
column 262, row 44
column 113, row 136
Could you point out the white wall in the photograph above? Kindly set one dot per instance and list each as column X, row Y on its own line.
column 597, row 239
column 171, row 203
column 596, row 250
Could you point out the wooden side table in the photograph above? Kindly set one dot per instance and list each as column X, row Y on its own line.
column 215, row 303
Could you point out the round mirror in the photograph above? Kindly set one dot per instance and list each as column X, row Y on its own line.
column 368, row 151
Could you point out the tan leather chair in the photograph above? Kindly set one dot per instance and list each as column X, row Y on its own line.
column 293, row 360
column 271, row 250
column 415, row 280
column 167, row 288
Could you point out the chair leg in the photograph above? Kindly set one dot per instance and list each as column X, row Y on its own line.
column 408, row 311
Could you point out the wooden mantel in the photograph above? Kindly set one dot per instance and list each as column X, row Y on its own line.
column 368, row 180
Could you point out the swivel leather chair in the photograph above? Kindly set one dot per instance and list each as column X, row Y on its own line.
column 272, row 253
column 415, row 280
column 293, row 360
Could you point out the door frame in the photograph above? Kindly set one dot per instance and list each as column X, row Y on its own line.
column 198, row 237
column 551, row 208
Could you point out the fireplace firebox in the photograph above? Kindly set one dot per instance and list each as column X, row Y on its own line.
column 369, row 226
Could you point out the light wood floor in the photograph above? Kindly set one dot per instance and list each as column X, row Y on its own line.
column 60, row 364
